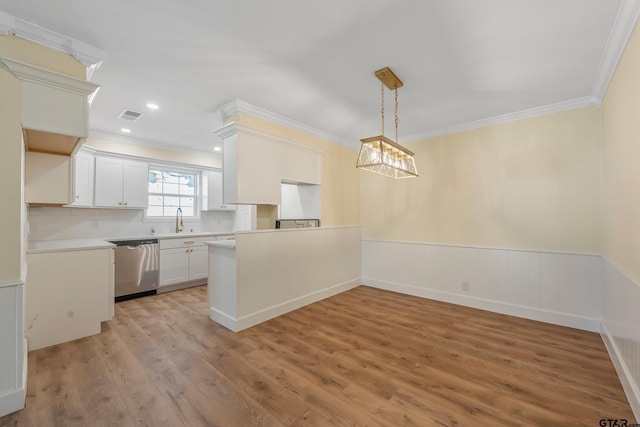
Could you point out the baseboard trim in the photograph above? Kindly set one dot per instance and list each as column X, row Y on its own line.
column 548, row 316
column 223, row 318
column 179, row 286
column 249, row 320
column 630, row 389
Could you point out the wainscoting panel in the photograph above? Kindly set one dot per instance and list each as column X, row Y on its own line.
column 564, row 289
column 621, row 329
column 13, row 351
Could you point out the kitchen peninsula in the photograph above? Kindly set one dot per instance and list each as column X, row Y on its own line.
column 266, row 273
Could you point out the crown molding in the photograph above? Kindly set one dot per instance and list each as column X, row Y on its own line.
column 93, row 133
column 505, row 118
column 89, row 56
column 231, row 129
column 31, row 73
column 623, row 26
column 238, row 106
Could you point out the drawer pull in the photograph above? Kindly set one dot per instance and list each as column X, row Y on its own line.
column 188, row 242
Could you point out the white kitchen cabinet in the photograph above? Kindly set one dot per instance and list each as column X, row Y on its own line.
column 212, row 192
column 47, row 179
column 183, row 260
column 255, row 162
column 121, row 183
column 174, row 266
column 55, row 109
column 83, row 171
column 67, row 295
column 198, row 262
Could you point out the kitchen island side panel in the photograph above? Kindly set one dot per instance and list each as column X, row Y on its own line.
column 67, row 295
column 282, row 270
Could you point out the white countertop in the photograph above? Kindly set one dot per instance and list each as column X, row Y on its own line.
column 174, row 235
column 67, row 245
column 222, row 243
column 39, row 246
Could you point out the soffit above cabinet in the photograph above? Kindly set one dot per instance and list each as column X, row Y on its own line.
column 55, row 108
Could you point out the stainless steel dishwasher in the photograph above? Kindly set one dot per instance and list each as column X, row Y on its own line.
column 137, row 268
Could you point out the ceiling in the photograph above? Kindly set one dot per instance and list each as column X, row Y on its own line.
column 312, row 62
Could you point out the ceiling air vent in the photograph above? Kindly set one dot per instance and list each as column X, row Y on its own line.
column 128, row 115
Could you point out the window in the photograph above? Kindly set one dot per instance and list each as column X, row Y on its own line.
column 170, row 190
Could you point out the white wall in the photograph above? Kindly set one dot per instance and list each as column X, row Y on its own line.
column 299, row 201
column 558, row 288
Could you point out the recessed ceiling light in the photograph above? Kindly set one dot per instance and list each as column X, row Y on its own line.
column 152, row 106
column 217, row 148
column 125, row 130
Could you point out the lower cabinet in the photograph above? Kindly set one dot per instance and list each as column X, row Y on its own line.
column 67, row 295
column 183, row 261
column 199, row 262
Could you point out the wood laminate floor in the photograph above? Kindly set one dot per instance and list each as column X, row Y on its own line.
column 364, row 357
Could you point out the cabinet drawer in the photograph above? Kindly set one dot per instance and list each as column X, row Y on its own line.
column 184, row 241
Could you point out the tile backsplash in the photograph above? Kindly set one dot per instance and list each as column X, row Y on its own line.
column 49, row 223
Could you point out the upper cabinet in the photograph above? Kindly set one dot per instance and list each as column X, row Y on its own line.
column 83, row 172
column 47, row 178
column 121, row 183
column 55, row 108
column 212, row 192
column 255, row 162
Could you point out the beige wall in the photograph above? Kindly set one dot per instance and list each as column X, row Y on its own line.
column 529, row 184
column 621, row 164
column 40, row 56
column 11, row 158
column 111, row 146
column 11, row 177
column 340, row 180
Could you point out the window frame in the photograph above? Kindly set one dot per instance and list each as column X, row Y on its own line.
column 197, row 195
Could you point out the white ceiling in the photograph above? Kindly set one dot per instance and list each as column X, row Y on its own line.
column 313, row 61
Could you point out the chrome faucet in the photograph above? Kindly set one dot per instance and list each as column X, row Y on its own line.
column 179, row 223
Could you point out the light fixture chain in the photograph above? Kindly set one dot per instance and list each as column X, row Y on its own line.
column 382, row 107
column 396, row 114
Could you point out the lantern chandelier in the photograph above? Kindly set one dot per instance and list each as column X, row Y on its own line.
column 379, row 154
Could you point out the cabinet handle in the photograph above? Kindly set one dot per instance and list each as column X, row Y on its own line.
column 187, row 251
column 125, row 203
column 77, row 196
column 120, row 203
column 188, row 242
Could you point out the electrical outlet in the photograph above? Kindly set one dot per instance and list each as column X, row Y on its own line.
column 96, row 225
column 465, row 286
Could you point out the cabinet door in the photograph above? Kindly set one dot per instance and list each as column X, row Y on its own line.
column 198, row 262
column 135, row 190
column 214, row 199
column 108, row 182
column 82, row 180
column 174, row 266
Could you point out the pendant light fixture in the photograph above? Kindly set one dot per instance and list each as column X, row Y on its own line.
column 380, row 154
